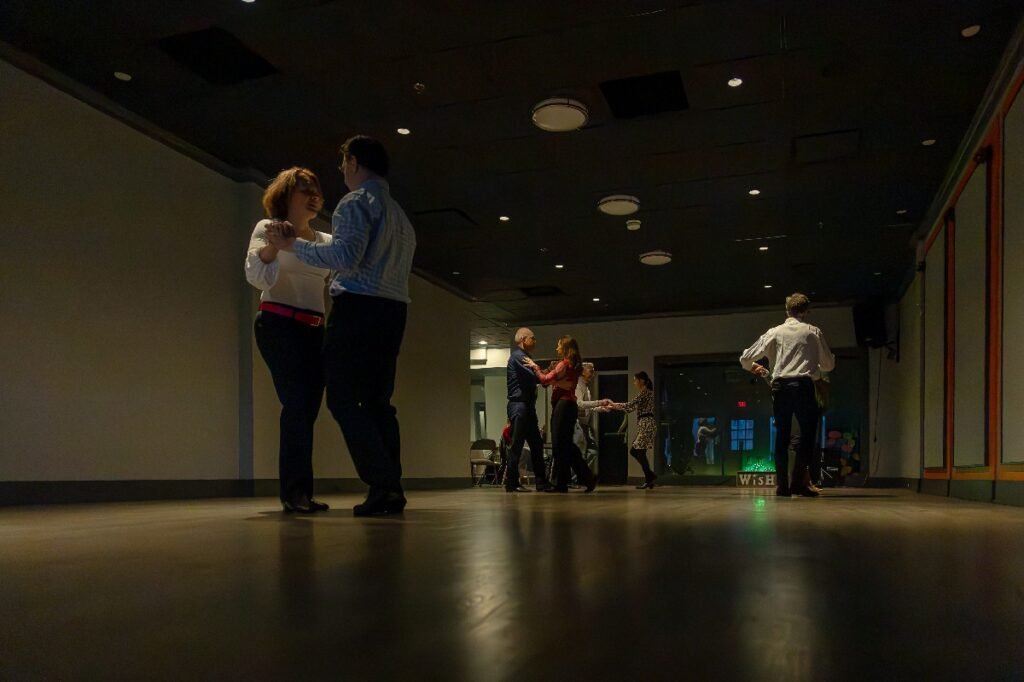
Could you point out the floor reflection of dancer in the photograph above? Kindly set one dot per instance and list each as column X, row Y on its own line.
column 707, row 434
column 643, row 405
column 563, row 378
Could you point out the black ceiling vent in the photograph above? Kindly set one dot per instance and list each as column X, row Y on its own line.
column 444, row 219
column 838, row 144
column 542, row 291
column 655, row 93
column 217, row 56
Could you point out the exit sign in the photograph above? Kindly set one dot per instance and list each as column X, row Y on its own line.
column 741, row 403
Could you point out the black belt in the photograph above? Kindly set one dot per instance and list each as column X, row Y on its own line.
column 645, row 415
column 787, row 380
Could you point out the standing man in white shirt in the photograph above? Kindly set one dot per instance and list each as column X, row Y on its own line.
column 797, row 354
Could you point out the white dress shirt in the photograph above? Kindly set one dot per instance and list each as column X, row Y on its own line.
column 286, row 279
column 794, row 349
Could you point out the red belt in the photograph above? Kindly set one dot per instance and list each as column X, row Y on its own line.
column 312, row 320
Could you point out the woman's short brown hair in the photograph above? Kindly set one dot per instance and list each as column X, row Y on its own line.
column 279, row 192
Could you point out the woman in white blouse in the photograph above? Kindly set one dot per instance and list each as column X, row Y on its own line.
column 290, row 326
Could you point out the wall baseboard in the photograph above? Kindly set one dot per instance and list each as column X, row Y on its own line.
column 894, row 482
column 1010, row 492
column 978, row 491
column 934, row 486
column 75, row 492
column 688, row 480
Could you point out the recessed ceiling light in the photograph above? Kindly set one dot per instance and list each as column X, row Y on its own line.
column 928, row 143
column 754, row 192
column 456, row 272
column 619, row 204
column 559, row 267
column 543, row 249
column 878, row 274
column 767, row 286
column 735, row 82
column 560, row 115
column 504, row 218
column 970, row 31
column 633, row 225
column 122, row 76
column 656, row 258
column 597, row 300
column 403, row 131
column 762, row 248
column 901, row 211
column 249, row 1
column 419, row 88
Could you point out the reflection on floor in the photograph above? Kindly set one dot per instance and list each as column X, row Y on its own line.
column 676, row 583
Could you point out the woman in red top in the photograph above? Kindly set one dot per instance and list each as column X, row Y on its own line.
column 562, row 378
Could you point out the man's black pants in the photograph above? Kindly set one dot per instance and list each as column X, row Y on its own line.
column 793, row 397
column 364, row 335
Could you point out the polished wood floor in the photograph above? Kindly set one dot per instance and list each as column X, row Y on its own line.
column 672, row 584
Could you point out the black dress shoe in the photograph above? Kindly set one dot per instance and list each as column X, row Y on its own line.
column 517, row 489
column 591, row 485
column 783, row 492
column 556, row 489
column 302, row 506
column 544, row 487
column 318, row 506
column 380, row 504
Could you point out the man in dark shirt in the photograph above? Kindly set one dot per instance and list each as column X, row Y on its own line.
column 522, row 414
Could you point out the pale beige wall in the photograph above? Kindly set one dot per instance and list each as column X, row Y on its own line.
column 121, row 298
column 125, row 311
column 430, row 394
column 895, row 397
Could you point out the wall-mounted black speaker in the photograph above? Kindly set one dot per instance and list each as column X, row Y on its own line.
column 869, row 324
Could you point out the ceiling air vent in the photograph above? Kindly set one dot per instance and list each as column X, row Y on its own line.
column 444, row 219
column 542, row 291
column 655, row 93
column 838, row 144
column 217, row 56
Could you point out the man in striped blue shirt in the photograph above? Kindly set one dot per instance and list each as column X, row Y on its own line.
column 371, row 256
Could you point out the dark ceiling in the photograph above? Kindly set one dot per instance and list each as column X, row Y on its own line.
column 836, row 100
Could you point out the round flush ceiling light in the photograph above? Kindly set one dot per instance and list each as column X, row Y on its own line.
column 928, row 143
column 560, row 115
column 754, row 192
column 735, row 82
column 619, row 204
column 122, row 76
column 970, row 31
column 403, row 131
column 656, row 258
column 633, row 225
